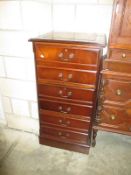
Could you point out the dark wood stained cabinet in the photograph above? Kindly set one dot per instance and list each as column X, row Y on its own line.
column 114, row 111
column 67, row 70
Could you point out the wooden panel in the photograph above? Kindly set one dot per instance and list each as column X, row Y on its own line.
column 117, row 66
column 120, row 35
column 120, row 54
column 65, row 54
column 64, row 75
column 65, row 92
column 63, row 134
column 65, row 121
column 119, row 91
column 115, row 117
column 64, row 107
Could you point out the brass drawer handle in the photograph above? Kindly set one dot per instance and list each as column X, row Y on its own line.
column 64, row 123
column 113, row 117
column 119, row 92
column 68, row 109
column 123, row 55
column 61, row 77
column 42, row 56
column 65, row 96
column 63, row 135
column 71, row 56
column 64, row 58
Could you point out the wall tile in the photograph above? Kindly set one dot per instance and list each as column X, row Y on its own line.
column 15, row 43
column 20, row 107
column 36, row 16
column 22, row 123
column 15, row 67
column 106, row 2
column 10, row 17
column 34, row 110
column 93, row 19
column 2, row 67
column 18, row 89
column 30, row 69
column 6, row 104
column 75, row 1
column 63, row 17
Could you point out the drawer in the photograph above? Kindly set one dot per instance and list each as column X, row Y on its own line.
column 117, row 66
column 115, row 117
column 119, row 91
column 66, row 92
column 119, row 54
column 66, row 108
column 64, row 75
column 65, row 54
column 66, row 121
column 64, row 135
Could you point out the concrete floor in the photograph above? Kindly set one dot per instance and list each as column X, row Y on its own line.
column 21, row 154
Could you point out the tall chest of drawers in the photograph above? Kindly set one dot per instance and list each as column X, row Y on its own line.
column 67, row 71
column 114, row 112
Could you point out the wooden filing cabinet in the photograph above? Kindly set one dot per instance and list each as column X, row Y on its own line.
column 114, row 111
column 67, row 71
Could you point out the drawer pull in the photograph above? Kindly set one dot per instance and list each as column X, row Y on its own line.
column 65, row 96
column 60, row 75
column 113, row 117
column 64, row 123
column 71, row 56
column 60, row 108
column 64, row 135
column 123, row 55
column 118, row 92
column 61, row 55
column 42, row 56
column 69, row 77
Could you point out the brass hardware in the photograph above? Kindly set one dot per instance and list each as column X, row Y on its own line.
column 61, row 55
column 60, row 75
column 60, row 133
column 60, row 108
column 60, row 121
column 71, row 55
column 66, row 50
column 70, row 76
column 42, row 56
column 123, row 55
column 113, row 117
column 65, row 96
column 118, row 92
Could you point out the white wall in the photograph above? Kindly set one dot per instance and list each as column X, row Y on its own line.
column 22, row 19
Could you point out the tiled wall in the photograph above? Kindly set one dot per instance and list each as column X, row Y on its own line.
column 22, row 19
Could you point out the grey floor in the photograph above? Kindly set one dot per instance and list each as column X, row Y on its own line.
column 21, row 154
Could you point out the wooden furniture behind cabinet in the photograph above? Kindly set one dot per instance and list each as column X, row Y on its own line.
column 114, row 111
column 67, row 71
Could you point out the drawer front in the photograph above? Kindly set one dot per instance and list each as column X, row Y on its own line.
column 64, row 121
column 64, row 135
column 115, row 117
column 119, row 91
column 117, row 66
column 66, row 92
column 62, row 54
column 65, row 108
column 63, row 75
column 121, row 55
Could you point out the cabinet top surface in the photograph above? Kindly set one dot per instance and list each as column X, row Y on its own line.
column 98, row 40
